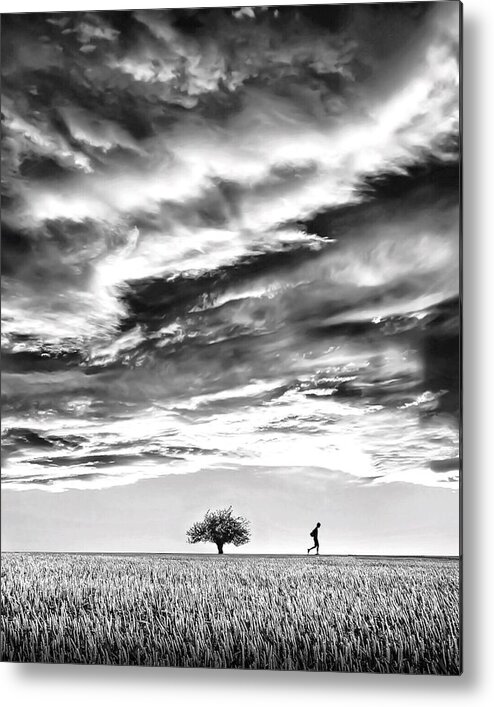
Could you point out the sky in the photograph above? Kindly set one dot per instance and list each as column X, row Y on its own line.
column 230, row 276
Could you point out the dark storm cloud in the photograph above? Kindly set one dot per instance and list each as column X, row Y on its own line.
column 97, row 460
column 440, row 465
column 230, row 220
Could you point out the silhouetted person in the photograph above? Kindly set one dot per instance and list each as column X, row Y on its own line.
column 314, row 534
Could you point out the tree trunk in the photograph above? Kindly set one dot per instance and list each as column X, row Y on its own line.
column 220, row 548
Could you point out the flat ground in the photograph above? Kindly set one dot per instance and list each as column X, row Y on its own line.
column 366, row 614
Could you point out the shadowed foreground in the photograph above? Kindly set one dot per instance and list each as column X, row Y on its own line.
column 286, row 613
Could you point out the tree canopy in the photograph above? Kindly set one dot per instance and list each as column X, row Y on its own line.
column 220, row 527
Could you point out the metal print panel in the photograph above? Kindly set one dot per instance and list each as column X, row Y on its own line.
column 231, row 337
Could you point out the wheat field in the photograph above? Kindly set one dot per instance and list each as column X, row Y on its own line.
column 284, row 613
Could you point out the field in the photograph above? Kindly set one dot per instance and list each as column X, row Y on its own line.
column 285, row 613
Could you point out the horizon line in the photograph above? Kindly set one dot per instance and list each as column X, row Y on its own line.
column 216, row 554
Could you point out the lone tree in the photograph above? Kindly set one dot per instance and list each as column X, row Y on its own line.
column 220, row 528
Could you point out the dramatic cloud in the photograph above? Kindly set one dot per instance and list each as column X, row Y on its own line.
column 230, row 239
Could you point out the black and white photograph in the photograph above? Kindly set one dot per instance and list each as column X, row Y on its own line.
column 231, row 337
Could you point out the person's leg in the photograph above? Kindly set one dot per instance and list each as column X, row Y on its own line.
column 317, row 547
